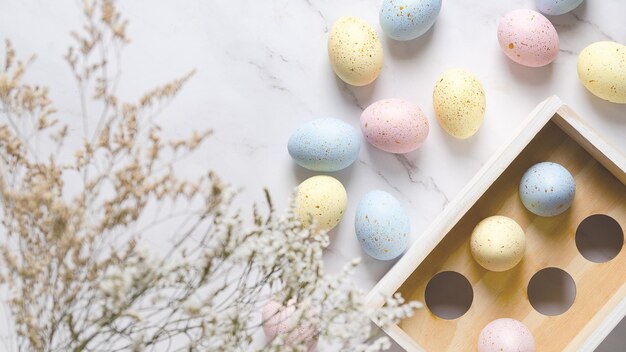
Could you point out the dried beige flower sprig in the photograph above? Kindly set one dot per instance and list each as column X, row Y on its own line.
column 78, row 273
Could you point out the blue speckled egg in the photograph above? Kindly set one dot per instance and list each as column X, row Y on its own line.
column 324, row 145
column 408, row 19
column 556, row 7
column 382, row 225
column 547, row 189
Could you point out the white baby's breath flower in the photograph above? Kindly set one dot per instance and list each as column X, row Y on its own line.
column 192, row 306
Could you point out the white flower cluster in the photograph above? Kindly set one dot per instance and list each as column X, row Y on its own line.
column 120, row 283
column 213, row 291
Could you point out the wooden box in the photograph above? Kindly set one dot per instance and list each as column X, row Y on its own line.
column 552, row 132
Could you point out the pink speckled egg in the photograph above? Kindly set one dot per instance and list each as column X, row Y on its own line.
column 528, row 38
column 506, row 335
column 278, row 319
column 394, row 125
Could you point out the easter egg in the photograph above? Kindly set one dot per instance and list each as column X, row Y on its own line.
column 459, row 101
column 394, row 125
column 324, row 145
column 528, row 38
column 547, row 189
column 506, row 335
column 602, row 70
column 355, row 52
column 382, row 225
column 280, row 320
column 556, row 7
column 408, row 19
column 498, row 243
column 321, row 198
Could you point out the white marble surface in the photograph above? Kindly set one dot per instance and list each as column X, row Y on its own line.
column 262, row 69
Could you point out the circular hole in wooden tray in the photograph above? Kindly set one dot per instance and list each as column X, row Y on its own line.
column 551, row 291
column 449, row 295
column 599, row 238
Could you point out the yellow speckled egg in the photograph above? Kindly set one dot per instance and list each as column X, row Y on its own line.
column 498, row 243
column 602, row 70
column 322, row 198
column 355, row 52
column 459, row 101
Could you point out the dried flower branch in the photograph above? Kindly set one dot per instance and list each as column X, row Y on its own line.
column 73, row 253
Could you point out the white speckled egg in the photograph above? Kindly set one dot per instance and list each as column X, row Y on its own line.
column 602, row 70
column 459, row 101
column 324, row 145
column 382, row 225
column 528, row 38
column 322, row 198
column 394, row 125
column 498, row 243
column 547, row 189
column 408, row 19
column 556, row 7
column 506, row 335
column 279, row 320
column 355, row 52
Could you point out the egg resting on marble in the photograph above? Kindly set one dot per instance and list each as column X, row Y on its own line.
column 355, row 52
column 547, row 189
column 408, row 19
column 459, row 102
column 556, row 7
column 322, row 198
column 278, row 320
column 528, row 38
column 602, row 70
column 324, row 145
column 394, row 125
column 498, row 243
column 506, row 335
column 382, row 225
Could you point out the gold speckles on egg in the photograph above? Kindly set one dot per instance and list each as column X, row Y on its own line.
column 498, row 243
column 602, row 70
column 355, row 52
column 321, row 198
column 459, row 102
